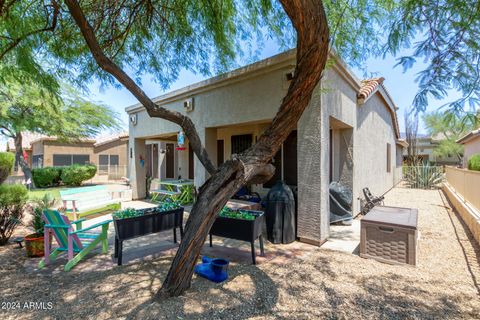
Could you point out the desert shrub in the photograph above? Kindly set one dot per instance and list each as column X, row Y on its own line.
column 46, row 177
column 75, row 174
column 6, row 165
column 423, row 176
column 12, row 202
column 474, row 162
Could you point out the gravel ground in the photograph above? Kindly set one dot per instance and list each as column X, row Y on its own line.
column 325, row 284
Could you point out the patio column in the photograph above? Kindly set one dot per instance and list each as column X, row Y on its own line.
column 137, row 151
column 209, row 140
column 312, row 148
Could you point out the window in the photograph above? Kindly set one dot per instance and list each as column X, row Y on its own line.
column 105, row 160
column 389, row 158
column 37, row 161
column 114, row 160
column 80, row 159
column 61, row 160
column 241, row 143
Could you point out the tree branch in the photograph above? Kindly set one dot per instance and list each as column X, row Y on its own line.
column 152, row 109
column 16, row 42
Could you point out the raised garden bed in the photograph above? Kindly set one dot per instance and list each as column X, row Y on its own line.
column 243, row 225
column 131, row 223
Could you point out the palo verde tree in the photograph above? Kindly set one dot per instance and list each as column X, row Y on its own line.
column 26, row 106
column 447, row 128
column 118, row 41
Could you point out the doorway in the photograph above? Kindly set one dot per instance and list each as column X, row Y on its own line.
column 170, row 161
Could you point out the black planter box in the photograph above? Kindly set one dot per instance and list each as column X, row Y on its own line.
column 239, row 229
column 148, row 223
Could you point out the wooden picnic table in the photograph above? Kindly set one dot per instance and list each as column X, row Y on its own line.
column 179, row 190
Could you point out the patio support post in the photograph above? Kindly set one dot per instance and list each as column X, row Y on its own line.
column 137, row 170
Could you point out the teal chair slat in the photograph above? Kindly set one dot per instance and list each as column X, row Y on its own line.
column 88, row 235
column 61, row 234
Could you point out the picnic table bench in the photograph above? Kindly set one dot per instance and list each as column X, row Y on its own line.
column 178, row 190
column 83, row 199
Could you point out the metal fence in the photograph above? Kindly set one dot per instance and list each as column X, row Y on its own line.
column 466, row 184
column 423, row 177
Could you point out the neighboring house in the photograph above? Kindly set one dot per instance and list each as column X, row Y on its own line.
column 27, row 138
column 349, row 133
column 471, row 145
column 425, row 146
column 107, row 153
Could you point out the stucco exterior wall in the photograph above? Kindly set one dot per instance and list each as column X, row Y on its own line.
column 247, row 104
column 470, row 148
column 117, row 147
column 37, row 148
column 372, row 133
column 55, row 147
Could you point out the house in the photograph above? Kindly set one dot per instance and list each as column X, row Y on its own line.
column 349, row 133
column 109, row 153
column 424, row 149
column 27, row 138
column 471, row 145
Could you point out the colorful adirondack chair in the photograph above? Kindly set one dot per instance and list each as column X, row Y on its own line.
column 77, row 242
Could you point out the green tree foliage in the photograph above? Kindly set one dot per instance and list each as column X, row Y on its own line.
column 27, row 106
column 6, row 165
column 474, row 162
column 443, row 35
column 447, row 128
column 12, row 201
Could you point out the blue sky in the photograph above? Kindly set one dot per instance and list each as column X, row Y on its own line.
column 401, row 85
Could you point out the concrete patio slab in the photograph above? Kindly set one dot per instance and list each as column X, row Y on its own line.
column 344, row 238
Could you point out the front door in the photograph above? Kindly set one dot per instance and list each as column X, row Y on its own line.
column 170, row 161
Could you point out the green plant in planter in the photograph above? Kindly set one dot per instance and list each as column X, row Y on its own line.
column 34, row 243
column 131, row 213
column 234, row 214
column 46, row 202
column 126, row 213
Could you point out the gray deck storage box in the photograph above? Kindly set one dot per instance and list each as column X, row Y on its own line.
column 389, row 234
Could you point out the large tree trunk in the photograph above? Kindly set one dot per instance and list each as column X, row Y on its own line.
column 20, row 160
column 309, row 20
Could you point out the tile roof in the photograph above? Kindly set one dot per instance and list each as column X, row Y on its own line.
column 368, row 87
column 109, row 138
column 469, row 136
column 27, row 139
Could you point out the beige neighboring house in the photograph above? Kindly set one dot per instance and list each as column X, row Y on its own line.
column 109, row 153
column 425, row 146
column 471, row 145
column 348, row 133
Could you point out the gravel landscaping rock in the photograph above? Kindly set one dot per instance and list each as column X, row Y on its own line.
column 323, row 285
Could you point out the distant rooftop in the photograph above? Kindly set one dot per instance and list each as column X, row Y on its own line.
column 29, row 138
